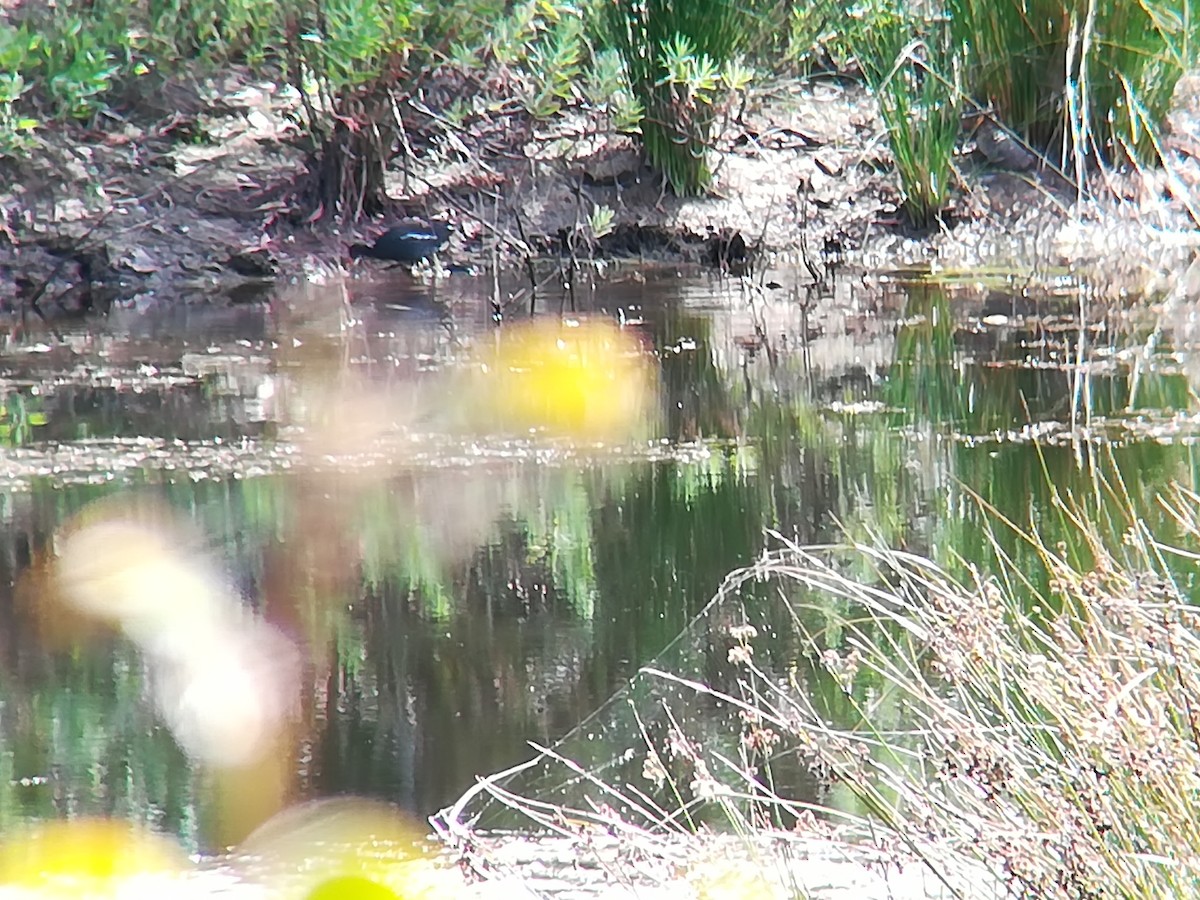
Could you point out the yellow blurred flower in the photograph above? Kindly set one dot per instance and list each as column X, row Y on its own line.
column 86, row 857
column 584, row 379
column 352, row 849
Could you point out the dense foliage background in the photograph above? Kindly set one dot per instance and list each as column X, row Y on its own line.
column 1079, row 86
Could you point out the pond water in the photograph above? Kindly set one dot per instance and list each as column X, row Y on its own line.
column 478, row 590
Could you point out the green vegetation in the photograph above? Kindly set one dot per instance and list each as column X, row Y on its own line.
column 1092, row 81
column 915, row 81
column 1082, row 85
column 354, row 62
column 680, row 60
column 1079, row 86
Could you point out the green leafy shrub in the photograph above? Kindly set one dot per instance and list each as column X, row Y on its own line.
column 16, row 128
column 364, row 56
column 81, row 66
column 675, row 53
column 215, row 30
column 555, row 66
column 789, row 37
column 71, row 61
column 606, row 89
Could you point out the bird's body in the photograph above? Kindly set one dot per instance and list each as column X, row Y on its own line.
column 408, row 242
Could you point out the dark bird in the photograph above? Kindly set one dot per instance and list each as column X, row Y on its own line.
column 409, row 242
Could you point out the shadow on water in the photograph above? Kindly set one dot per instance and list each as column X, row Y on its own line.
column 483, row 590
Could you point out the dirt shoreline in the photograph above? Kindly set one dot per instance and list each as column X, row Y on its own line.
column 192, row 201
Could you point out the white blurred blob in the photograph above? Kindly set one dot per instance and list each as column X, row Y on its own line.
column 223, row 680
column 227, row 699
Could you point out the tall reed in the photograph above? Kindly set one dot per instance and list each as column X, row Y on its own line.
column 1091, row 81
column 910, row 67
column 675, row 54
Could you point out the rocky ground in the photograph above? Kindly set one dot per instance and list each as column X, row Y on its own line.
column 189, row 193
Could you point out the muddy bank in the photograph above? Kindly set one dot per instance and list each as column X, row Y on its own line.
column 189, row 193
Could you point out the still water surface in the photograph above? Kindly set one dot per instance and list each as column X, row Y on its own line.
column 484, row 590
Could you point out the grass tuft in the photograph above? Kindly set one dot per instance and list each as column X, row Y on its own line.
column 1033, row 731
column 676, row 55
column 910, row 67
column 1091, row 81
